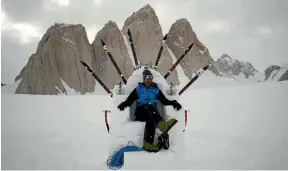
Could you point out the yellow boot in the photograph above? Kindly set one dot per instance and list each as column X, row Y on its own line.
column 165, row 126
column 150, row 147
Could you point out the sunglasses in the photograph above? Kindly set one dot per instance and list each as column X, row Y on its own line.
column 149, row 77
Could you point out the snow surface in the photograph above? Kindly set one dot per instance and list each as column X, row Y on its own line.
column 127, row 44
column 10, row 88
column 236, row 127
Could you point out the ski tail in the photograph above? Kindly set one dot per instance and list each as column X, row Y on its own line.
column 160, row 51
column 113, row 61
column 179, row 60
column 97, row 78
column 198, row 74
column 133, row 48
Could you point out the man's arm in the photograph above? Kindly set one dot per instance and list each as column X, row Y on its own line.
column 131, row 98
column 163, row 99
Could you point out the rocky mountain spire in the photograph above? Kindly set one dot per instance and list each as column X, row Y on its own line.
column 235, row 67
column 57, row 60
column 180, row 36
column 102, row 64
column 147, row 36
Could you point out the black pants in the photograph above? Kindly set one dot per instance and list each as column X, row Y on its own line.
column 150, row 115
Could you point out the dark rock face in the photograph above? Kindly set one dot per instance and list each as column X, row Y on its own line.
column 275, row 72
column 235, row 67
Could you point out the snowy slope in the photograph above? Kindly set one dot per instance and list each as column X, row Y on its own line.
column 10, row 88
column 53, row 132
column 127, row 44
column 238, row 127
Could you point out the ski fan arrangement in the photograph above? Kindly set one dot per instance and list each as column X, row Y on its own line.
column 116, row 160
column 198, row 73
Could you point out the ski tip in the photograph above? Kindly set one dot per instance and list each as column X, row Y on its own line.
column 206, row 67
column 102, row 42
column 165, row 37
column 129, row 32
column 191, row 45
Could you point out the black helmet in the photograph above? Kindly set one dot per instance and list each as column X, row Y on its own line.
column 147, row 73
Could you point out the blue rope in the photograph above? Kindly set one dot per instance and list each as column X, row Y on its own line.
column 116, row 160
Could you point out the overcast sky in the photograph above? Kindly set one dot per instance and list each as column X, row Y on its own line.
column 250, row 30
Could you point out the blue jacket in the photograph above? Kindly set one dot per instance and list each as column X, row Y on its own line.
column 144, row 95
column 147, row 95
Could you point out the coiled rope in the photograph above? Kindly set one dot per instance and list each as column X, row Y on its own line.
column 116, row 160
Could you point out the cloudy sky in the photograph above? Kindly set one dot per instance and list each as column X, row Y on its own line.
column 250, row 30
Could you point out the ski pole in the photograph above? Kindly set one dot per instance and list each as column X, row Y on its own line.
column 106, row 121
column 186, row 118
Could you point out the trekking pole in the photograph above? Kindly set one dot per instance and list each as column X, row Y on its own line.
column 106, row 120
column 185, row 118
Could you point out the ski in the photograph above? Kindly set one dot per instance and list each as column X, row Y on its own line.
column 179, row 60
column 97, row 78
column 133, row 48
column 198, row 74
column 160, row 51
column 113, row 61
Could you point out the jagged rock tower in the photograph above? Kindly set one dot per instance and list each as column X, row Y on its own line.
column 147, row 36
column 180, row 36
column 57, row 59
column 103, row 66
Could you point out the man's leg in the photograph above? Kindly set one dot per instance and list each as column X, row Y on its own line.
column 153, row 119
column 143, row 115
column 164, row 126
column 163, row 140
column 151, row 124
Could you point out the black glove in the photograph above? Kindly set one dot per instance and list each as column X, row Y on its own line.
column 176, row 105
column 122, row 106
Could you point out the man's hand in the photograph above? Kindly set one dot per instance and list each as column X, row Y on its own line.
column 122, row 106
column 176, row 105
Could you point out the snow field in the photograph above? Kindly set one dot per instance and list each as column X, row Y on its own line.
column 237, row 127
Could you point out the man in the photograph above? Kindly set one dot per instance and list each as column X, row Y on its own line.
column 146, row 95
